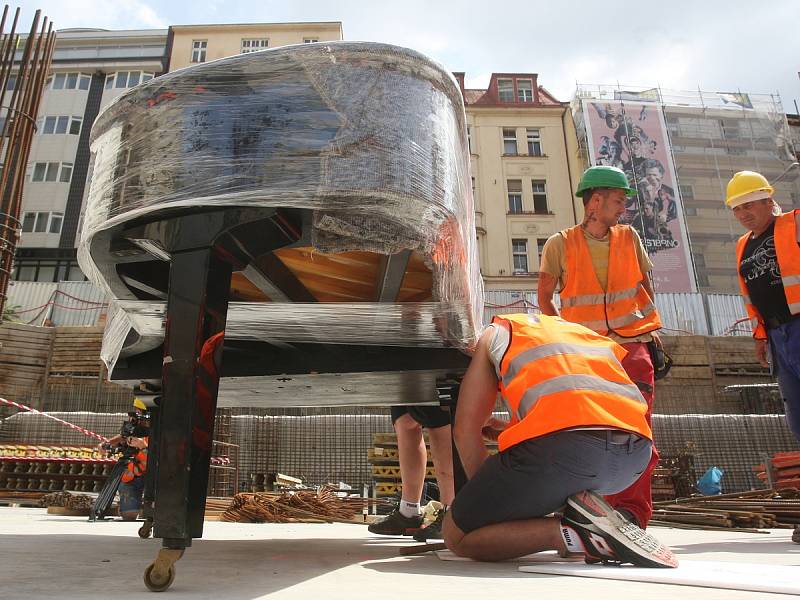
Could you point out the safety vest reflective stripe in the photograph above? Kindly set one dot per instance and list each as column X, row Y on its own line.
column 790, row 280
column 620, row 321
column 589, row 299
column 566, row 383
column 556, row 348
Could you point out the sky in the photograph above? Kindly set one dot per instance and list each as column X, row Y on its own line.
column 716, row 45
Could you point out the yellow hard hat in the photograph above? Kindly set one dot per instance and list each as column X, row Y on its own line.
column 139, row 404
column 747, row 186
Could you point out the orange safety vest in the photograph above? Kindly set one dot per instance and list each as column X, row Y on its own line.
column 788, row 255
column 136, row 467
column 557, row 375
column 624, row 307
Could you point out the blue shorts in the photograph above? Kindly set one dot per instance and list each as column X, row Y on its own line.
column 130, row 495
column 534, row 478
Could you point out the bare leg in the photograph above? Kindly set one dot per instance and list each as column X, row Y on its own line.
column 442, row 452
column 413, row 457
column 505, row 540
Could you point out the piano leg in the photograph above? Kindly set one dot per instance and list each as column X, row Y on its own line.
column 196, row 311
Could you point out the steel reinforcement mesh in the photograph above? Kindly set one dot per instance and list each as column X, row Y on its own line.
column 330, row 445
column 734, row 443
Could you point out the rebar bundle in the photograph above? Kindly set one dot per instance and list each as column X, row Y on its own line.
column 315, row 505
column 22, row 79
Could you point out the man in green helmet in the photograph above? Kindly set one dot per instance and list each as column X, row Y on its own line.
column 602, row 272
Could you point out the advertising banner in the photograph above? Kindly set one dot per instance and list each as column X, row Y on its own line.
column 633, row 136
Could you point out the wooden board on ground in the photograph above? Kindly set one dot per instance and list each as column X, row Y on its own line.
column 539, row 557
column 67, row 512
column 751, row 577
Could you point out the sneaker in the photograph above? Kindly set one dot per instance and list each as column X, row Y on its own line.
column 796, row 534
column 395, row 524
column 611, row 539
column 432, row 531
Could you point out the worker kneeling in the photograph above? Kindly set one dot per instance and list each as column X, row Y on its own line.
column 577, row 431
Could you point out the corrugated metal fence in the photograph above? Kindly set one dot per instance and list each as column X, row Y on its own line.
column 71, row 303
column 66, row 304
column 696, row 314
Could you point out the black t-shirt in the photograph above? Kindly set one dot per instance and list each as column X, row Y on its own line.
column 762, row 275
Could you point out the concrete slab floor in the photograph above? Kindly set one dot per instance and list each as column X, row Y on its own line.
column 48, row 556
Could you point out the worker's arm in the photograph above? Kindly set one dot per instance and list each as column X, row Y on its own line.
column 476, row 399
column 549, row 273
column 547, row 287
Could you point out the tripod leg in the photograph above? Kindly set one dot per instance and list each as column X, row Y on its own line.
column 106, row 496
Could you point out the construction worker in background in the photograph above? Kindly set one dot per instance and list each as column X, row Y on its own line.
column 577, row 429
column 131, row 485
column 602, row 271
column 768, row 264
column 407, row 518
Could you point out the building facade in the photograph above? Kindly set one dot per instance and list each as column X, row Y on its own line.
column 525, row 165
column 90, row 68
column 193, row 44
column 708, row 136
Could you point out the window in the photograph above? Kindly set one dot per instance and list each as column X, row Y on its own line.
column 509, row 141
column 71, row 81
column 50, row 172
column 27, row 221
column 473, row 186
column 469, row 139
column 690, row 211
column 66, row 173
column 127, row 79
column 519, row 251
column 61, row 125
column 540, row 248
column 514, row 196
column 534, row 142
column 42, row 222
column 310, row 40
column 254, row 45
column 687, row 192
column 56, row 219
column 699, row 260
column 505, row 89
column 539, row 197
column 702, row 280
column 524, row 90
column 12, row 83
column 199, row 48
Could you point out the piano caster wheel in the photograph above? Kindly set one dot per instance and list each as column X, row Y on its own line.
column 146, row 529
column 160, row 575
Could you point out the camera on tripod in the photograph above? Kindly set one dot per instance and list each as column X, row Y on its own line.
column 137, row 425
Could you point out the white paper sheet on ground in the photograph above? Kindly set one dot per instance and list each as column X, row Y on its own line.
column 776, row 579
column 539, row 557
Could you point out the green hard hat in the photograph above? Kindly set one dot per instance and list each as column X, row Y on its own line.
column 604, row 177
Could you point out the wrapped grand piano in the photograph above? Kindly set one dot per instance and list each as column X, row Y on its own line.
column 287, row 227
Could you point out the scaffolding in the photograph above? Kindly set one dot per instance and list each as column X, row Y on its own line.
column 710, row 136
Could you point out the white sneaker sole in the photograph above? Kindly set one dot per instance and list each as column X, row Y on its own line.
column 604, row 518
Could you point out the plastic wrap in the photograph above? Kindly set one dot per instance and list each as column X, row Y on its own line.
column 370, row 138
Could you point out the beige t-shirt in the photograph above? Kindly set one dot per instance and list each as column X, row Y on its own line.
column 554, row 263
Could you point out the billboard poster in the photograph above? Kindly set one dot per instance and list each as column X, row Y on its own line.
column 633, row 136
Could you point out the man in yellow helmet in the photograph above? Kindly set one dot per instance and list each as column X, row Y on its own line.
column 768, row 265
